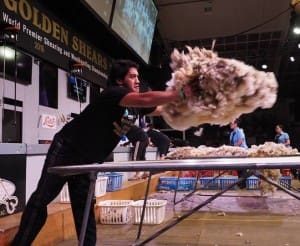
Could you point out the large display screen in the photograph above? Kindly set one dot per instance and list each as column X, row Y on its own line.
column 76, row 88
column 100, row 8
column 134, row 22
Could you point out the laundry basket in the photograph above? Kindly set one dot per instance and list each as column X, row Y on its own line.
column 170, row 183
column 100, row 186
column 252, row 183
column 154, row 213
column 115, row 211
column 228, row 180
column 285, row 181
column 64, row 194
column 100, row 189
column 114, row 181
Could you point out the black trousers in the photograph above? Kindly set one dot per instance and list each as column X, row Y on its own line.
column 242, row 173
column 35, row 213
column 163, row 148
column 139, row 150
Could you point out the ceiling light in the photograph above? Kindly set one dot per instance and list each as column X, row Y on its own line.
column 264, row 66
column 296, row 30
column 7, row 52
column 292, row 59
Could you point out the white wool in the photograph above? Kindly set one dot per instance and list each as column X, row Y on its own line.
column 225, row 89
column 268, row 149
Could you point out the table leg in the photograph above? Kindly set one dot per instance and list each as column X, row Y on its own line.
column 144, row 207
column 93, row 177
column 259, row 175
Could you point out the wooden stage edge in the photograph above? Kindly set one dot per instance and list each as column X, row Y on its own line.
column 60, row 226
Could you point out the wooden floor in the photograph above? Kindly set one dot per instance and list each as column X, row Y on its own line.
column 209, row 229
column 238, row 219
column 235, row 220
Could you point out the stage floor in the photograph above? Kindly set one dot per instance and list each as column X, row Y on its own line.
column 235, row 219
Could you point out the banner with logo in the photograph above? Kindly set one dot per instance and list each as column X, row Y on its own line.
column 48, row 121
column 45, row 36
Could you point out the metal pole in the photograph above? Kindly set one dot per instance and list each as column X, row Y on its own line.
column 15, row 84
column 144, row 208
column 93, row 177
column 259, row 175
column 176, row 188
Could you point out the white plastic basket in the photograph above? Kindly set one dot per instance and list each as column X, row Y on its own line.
column 100, row 189
column 154, row 213
column 64, row 194
column 115, row 211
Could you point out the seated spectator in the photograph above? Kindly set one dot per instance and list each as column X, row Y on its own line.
column 159, row 140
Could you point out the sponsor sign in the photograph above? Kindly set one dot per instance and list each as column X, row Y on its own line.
column 49, row 121
column 45, row 36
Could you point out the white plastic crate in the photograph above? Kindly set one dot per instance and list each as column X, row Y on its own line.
column 100, row 186
column 64, row 194
column 154, row 213
column 115, row 211
column 100, row 189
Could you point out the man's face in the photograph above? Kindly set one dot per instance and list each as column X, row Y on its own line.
column 131, row 80
column 232, row 125
column 278, row 129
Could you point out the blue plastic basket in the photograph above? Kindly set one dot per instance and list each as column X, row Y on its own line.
column 227, row 180
column 186, row 183
column 252, row 183
column 285, row 181
column 209, row 183
column 114, row 181
column 169, row 183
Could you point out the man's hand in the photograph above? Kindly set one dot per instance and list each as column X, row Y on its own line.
column 187, row 91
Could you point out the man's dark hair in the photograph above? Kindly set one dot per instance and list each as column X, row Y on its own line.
column 237, row 121
column 118, row 71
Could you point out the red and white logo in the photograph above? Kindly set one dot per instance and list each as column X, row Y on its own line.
column 49, row 121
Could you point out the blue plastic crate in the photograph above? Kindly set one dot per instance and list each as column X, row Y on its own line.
column 252, row 183
column 186, row 183
column 209, row 183
column 285, row 181
column 169, row 183
column 114, row 181
column 227, row 180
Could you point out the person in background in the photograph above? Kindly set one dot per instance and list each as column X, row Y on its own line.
column 237, row 135
column 139, row 139
column 282, row 137
column 87, row 139
column 237, row 138
column 158, row 139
